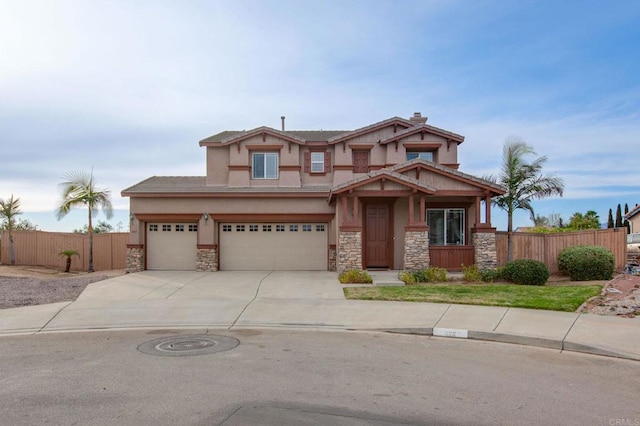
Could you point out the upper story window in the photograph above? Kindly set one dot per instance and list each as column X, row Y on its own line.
column 264, row 165
column 360, row 161
column 425, row 155
column 317, row 162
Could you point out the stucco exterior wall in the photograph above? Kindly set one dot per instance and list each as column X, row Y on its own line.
column 401, row 217
column 217, row 169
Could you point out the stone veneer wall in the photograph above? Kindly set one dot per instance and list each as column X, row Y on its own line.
column 349, row 250
column 207, row 259
column 332, row 258
column 135, row 259
column 416, row 250
column 484, row 246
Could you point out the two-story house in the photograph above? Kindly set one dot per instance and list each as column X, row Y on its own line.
column 388, row 195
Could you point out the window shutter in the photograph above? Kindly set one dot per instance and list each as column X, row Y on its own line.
column 307, row 162
column 327, row 162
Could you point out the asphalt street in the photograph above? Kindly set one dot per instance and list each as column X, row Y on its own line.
column 287, row 377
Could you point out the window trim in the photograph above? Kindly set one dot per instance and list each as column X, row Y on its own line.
column 266, row 154
column 317, row 162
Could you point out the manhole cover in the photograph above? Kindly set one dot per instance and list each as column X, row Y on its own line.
column 188, row 345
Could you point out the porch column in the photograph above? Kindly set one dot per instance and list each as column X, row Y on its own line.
column 484, row 248
column 349, row 247
column 416, row 247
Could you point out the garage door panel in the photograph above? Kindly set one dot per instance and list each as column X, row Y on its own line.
column 171, row 246
column 273, row 246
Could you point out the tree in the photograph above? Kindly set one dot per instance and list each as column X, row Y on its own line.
column 79, row 188
column 9, row 209
column 589, row 220
column 524, row 182
column 618, row 217
column 101, row 227
column 20, row 225
column 626, row 223
column 610, row 219
column 69, row 253
column 540, row 221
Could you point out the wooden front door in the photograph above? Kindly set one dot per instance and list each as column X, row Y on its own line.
column 377, row 236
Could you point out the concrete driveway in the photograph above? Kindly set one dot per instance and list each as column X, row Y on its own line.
column 232, row 300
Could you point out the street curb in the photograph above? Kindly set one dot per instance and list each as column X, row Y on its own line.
column 515, row 339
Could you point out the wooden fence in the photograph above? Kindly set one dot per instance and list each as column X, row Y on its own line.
column 545, row 247
column 39, row 248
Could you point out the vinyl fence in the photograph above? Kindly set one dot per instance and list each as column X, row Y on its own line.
column 545, row 247
column 39, row 248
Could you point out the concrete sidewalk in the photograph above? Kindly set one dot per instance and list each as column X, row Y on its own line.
column 311, row 300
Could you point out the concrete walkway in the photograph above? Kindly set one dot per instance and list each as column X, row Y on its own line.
column 171, row 299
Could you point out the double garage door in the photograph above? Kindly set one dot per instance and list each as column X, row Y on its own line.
column 273, row 246
column 242, row 246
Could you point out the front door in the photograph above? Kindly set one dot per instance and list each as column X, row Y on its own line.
column 377, row 236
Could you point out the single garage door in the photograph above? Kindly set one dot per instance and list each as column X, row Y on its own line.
column 273, row 246
column 172, row 246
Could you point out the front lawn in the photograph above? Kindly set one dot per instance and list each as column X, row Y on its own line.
column 565, row 298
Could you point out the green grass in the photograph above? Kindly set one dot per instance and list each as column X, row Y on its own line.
column 565, row 298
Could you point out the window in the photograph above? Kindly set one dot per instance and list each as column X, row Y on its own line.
column 446, row 226
column 425, row 155
column 319, row 228
column 293, row 228
column 317, row 162
column 226, row 228
column 360, row 161
column 253, row 228
column 193, row 228
column 166, row 228
column 279, row 228
column 179, row 228
column 266, row 228
column 153, row 228
column 239, row 228
column 265, row 165
column 306, row 228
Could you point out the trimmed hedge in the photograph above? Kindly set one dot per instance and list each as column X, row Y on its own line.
column 526, row 271
column 585, row 263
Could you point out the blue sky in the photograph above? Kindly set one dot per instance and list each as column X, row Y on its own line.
column 130, row 87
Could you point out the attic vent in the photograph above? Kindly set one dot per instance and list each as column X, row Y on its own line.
column 418, row 118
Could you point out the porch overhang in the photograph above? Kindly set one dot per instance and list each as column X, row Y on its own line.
column 381, row 177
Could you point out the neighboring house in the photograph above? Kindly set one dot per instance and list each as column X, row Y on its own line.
column 634, row 218
column 388, row 195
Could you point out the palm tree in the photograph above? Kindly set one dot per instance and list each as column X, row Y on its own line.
column 79, row 188
column 524, row 182
column 9, row 209
column 69, row 253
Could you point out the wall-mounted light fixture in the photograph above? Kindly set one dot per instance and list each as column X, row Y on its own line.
column 205, row 215
column 131, row 217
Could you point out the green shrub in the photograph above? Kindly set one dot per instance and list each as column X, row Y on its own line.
column 471, row 274
column 355, row 276
column 490, row 275
column 429, row 275
column 584, row 263
column 526, row 271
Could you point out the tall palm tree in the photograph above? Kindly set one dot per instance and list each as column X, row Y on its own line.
column 9, row 209
column 79, row 188
column 524, row 181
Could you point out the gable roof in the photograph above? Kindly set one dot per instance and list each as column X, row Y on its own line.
column 449, row 172
column 371, row 128
column 424, row 128
column 379, row 175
